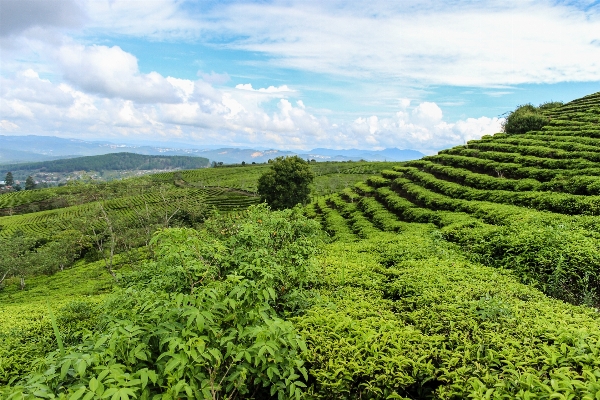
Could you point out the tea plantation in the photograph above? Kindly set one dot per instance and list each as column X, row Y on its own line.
column 473, row 273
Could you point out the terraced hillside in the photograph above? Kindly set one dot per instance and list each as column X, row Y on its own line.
column 529, row 203
column 330, row 177
column 228, row 189
column 444, row 280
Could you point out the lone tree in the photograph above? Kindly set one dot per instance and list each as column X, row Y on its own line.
column 9, row 181
column 286, row 183
column 29, row 183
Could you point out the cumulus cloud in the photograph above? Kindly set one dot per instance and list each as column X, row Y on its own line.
column 112, row 72
column 220, row 116
column 27, row 86
column 422, row 128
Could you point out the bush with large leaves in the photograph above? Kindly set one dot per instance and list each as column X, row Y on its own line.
column 203, row 320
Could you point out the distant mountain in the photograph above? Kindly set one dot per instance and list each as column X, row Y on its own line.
column 110, row 162
column 15, row 156
column 41, row 148
column 391, row 154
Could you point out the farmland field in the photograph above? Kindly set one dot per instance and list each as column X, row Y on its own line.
column 473, row 273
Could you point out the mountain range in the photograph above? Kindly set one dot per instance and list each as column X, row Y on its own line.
column 31, row 148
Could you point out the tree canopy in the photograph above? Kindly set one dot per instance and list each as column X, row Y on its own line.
column 29, row 183
column 527, row 118
column 286, row 183
column 9, row 181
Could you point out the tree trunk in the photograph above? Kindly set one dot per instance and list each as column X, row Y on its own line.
column 22, row 282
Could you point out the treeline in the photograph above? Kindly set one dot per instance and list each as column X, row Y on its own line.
column 110, row 162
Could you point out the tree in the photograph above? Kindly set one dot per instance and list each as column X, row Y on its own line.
column 527, row 118
column 9, row 180
column 29, row 183
column 286, row 183
column 18, row 257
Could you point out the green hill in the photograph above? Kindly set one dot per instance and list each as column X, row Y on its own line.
column 110, row 162
column 474, row 273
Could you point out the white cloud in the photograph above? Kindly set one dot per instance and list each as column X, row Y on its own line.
column 469, row 44
column 7, row 126
column 422, row 129
column 427, row 114
column 112, row 72
column 158, row 19
column 27, row 86
column 216, row 116
column 214, row 77
column 270, row 89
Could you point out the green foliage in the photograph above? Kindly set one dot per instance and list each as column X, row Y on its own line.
column 550, row 105
column 29, row 183
column 204, row 320
column 9, row 180
column 286, row 183
column 524, row 119
column 440, row 280
column 405, row 316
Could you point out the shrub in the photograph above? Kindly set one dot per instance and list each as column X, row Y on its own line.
column 524, row 119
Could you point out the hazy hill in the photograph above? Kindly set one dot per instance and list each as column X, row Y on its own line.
column 111, row 162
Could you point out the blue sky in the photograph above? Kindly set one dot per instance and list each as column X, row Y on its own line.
column 289, row 74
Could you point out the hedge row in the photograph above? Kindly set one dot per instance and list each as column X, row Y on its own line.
column 407, row 211
column 528, row 161
column 562, row 258
column 543, row 152
column 577, row 185
column 363, row 189
column 561, row 203
column 508, row 170
column 554, row 142
column 359, row 224
column 492, row 213
column 475, row 180
column 333, row 223
column 381, row 217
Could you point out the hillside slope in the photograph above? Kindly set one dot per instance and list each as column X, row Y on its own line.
column 529, row 202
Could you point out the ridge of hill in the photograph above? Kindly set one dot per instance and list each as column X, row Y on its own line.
column 110, row 162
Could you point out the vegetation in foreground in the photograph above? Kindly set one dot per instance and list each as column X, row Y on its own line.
column 259, row 306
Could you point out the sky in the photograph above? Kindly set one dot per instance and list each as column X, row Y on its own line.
column 291, row 75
